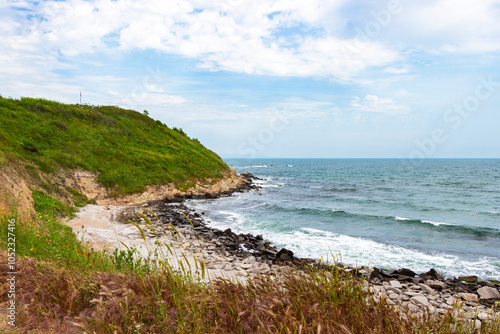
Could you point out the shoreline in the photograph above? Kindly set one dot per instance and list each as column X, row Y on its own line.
column 240, row 257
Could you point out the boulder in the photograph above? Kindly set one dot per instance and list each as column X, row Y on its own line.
column 436, row 284
column 488, row 293
column 468, row 279
column 284, row 255
column 432, row 274
column 395, row 284
column 469, row 297
column 406, row 272
column 420, row 300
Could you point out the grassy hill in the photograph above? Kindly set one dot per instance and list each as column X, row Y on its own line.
column 126, row 148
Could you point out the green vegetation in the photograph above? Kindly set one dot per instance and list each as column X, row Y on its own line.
column 126, row 148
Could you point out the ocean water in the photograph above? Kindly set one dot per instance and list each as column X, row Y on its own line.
column 442, row 214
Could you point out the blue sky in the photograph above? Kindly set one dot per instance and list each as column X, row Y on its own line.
column 327, row 79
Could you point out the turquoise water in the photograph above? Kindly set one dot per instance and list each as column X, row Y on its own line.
column 442, row 214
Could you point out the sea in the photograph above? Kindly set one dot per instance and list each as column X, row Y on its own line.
column 386, row 213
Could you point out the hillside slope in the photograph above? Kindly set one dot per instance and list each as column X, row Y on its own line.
column 125, row 149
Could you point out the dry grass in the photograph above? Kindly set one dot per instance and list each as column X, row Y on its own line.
column 53, row 298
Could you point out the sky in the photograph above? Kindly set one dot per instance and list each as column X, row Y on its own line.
column 285, row 78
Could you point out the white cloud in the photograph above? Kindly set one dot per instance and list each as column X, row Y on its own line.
column 373, row 103
column 449, row 26
column 238, row 36
column 396, row 70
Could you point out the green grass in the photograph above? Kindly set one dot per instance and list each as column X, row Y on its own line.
column 127, row 149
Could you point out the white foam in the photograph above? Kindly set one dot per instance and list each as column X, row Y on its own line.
column 434, row 223
column 315, row 243
column 402, row 218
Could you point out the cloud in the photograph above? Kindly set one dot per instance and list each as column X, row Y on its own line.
column 373, row 103
column 449, row 26
column 396, row 70
column 284, row 38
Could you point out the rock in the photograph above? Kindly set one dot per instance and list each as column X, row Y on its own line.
column 242, row 273
column 404, row 278
column 469, row 279
column 432, row 274
column 469, row 297
column 406, row 272
column 428, row 289
column 478, row 324
column 228, row 267
column 450, row 301
column 420, row 300
column 484, row 316
column 413, row 308
column 246, row 265
column 436, row 284
column 395, row 284
column 488, row 293
column 394, row 296
column 393, row 290
column 284, row 255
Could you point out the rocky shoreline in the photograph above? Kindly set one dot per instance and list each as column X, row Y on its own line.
column 248, row 255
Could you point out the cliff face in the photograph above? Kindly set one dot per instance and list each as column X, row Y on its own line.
column 14, row 192
column 85, row 182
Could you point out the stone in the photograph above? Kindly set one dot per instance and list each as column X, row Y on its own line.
column 420, row 300
column 432, row 274
column 413, row 308
column 394, row 296
column 246, row 265
column 470, row 279
column 243, row 273
column 488, row 293
column 428, row 289
column 228, row 267
column 395, row 284
column 483, row 316
column 406, row 272
column 469, row 297
column 284, row 255
column 413, row 294
column 393, row 290
column 390, row 302
column 450, row 301
column 478, row 324
column 437, row 284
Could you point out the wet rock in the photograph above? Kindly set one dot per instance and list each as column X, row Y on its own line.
column 469, row 279
column 406, row 272
column 284, row 255
column 432, row 274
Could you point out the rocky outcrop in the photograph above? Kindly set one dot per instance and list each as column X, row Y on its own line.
column 85, row 183
column 15, row 193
